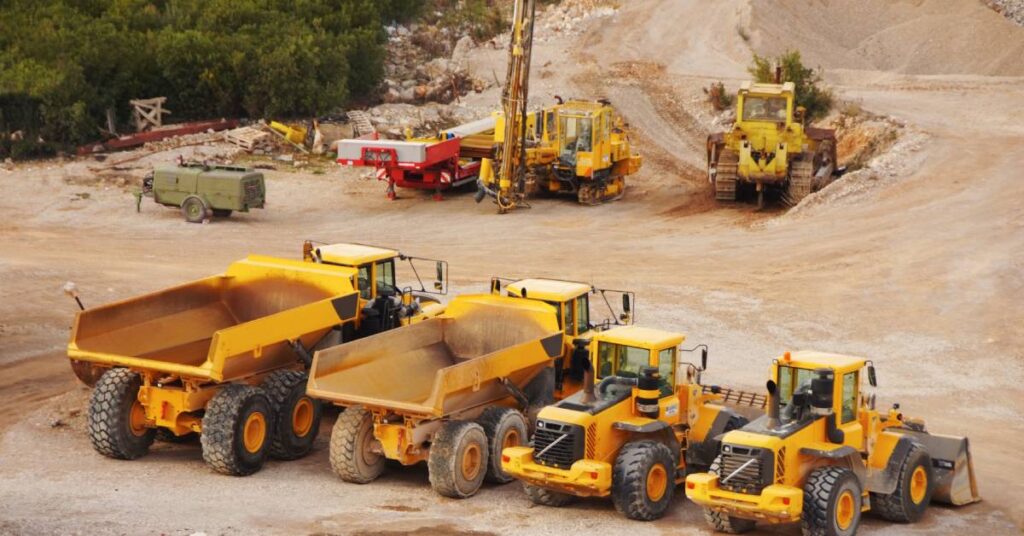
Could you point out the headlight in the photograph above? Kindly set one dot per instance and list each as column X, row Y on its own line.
column 725, row 448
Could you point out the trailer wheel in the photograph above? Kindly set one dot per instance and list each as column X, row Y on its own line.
column 547, row 497
column 352, row 456
column 643, row 480
column 505, row 427
column 297, row 416
column 117, row 420
column 913, row 492
column 832, row 503
column 194, row 210
column 237, row 430
column 458, row 459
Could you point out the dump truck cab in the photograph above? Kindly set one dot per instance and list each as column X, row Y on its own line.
column 823, row 439
column 571, row 301
column 203, row 190
column 627, row 437
column 383, row 302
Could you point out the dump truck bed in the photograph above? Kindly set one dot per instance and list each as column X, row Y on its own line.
column 223, row 327
column 442, row 365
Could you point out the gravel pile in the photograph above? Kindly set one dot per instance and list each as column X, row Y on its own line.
column 1011, row 9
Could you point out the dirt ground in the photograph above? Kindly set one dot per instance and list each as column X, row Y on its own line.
column 919, row 266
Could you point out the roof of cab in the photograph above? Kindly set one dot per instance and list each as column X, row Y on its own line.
column 549, row 289
column 810, row 359
column 353, row 254
column 768, row 89
column 641, row 337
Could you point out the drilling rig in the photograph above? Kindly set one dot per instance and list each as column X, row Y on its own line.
column 508, row 185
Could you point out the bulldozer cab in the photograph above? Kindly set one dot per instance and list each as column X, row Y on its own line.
column 765, row 103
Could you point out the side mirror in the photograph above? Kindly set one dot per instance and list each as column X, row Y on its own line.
column 871, row 376
column 704, row 359
column 771, row 387
column 440, row 272
column 495, row 286
column 626, row 306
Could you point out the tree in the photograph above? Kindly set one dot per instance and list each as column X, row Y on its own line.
column 810, row 92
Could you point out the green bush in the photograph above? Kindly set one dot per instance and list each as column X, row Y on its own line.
column 63, row 63
column 810, row 92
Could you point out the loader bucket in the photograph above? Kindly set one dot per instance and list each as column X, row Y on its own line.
column 955, row 482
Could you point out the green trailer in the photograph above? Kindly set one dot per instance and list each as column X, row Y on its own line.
column 203, row 191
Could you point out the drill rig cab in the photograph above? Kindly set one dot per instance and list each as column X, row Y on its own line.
column 823, row 455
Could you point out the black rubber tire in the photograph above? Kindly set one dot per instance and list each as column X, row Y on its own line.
column 722, row 522
column 351, row 438
column 499, row 424
column 824, row 487
column 547, row 497
column 629, row 480
column 286, row 390
column 86, row 372
column 194, row 210
column 222, row 213
column 898, row 506
column 110, row 408
column 223, row 426
column 449, row 448
column 540, row 392
column 166, row 436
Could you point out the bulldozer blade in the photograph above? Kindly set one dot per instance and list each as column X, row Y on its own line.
column 955, row 481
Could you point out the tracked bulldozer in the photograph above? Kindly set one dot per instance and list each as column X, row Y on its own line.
column 823, row 455
column 770, row 146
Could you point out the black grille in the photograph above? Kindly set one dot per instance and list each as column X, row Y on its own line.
column 756, row 473
column 557, row 444
column 252, row 192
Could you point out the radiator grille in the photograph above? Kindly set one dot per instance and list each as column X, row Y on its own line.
column 557, row 445
column 749, row 468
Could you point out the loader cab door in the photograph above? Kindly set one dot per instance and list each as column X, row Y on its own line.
column 576, row 135
column 847, row 397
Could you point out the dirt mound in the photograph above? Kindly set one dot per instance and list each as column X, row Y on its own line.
column 912, row 37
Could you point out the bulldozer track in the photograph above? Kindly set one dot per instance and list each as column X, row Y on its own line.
column 801, row 179
column 725, row 176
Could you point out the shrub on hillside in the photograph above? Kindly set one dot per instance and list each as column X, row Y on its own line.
column 810, row 91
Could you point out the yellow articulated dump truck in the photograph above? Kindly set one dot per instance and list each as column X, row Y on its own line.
column 823, row 455
column 446, row 390
column 636, row 434
column 225, row 356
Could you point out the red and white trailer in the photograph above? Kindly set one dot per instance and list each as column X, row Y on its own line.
column 448, row 161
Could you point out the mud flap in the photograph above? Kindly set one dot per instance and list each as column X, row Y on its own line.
column 955, row 481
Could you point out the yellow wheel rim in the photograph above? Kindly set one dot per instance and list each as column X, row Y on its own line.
column 657, row 482
column 137, row 419
column 471, row 462
column 511, row 439
column 918, row 484
column 845, row 511
column 302, row 417
column 254, row 432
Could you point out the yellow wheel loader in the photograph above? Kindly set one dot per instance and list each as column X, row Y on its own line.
column 224, row 357
column 822, row 456
column 770, row 146
column 632, row 437
column 453, row 390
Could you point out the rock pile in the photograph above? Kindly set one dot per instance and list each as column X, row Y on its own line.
column 567, row 18
column 392, row 120
column 424, row 66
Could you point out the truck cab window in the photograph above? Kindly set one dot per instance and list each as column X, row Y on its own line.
column 386, row 275
column 365, row 292
column 582, row 314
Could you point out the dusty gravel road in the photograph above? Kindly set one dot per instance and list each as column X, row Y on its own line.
column 923, row 272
